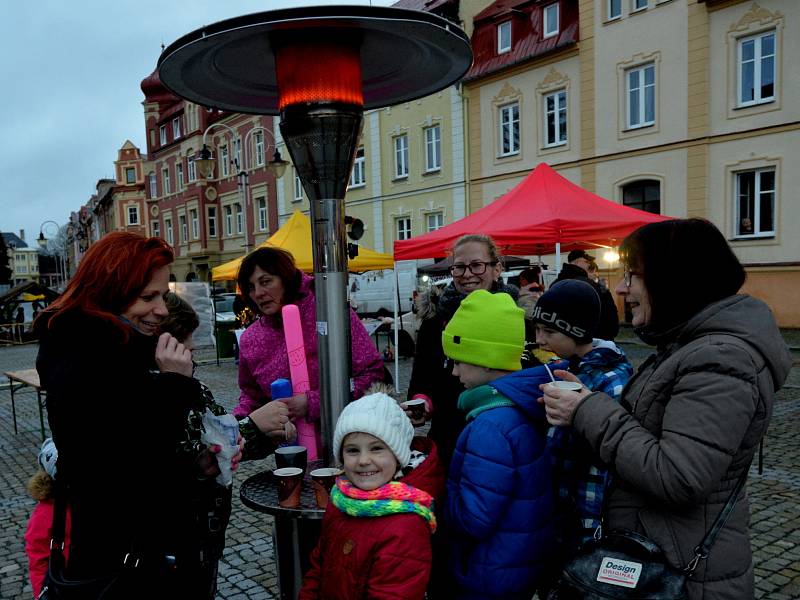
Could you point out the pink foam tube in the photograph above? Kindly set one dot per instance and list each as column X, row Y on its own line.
column 298, row 369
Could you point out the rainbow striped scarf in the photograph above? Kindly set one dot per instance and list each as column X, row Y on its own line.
column 392, row 498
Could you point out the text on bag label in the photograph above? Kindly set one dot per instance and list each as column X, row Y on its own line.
column 616, row 571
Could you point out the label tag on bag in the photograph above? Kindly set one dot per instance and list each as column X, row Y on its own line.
column 616, row 571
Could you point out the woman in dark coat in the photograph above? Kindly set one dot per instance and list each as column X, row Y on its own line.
column 118, row 397
column 691, row 419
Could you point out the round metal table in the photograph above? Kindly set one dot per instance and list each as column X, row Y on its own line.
column 296, row 530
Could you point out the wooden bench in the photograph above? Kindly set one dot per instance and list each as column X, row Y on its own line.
column 20, row 379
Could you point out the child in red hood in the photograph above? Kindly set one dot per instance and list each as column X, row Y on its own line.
column 370, row 548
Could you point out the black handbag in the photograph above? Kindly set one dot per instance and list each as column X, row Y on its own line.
column 626, row 564
column 57, row 586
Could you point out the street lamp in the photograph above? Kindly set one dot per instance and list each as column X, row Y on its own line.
column 205, row 164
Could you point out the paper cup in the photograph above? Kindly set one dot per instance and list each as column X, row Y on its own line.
column 290, row 483
column 566, row 385
column 324, row 479
column 291, row 456
column 417, row 408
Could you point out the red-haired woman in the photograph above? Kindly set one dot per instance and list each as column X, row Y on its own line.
column 118, row 397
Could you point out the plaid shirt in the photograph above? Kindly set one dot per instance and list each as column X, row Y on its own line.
column 581, row 480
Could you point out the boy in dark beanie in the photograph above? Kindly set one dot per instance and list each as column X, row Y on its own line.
column 567, row 317
column 499, row 510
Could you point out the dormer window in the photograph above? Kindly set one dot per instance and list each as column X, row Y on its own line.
column 550, row 19
column 504, row 37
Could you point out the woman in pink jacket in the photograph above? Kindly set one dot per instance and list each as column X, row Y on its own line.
column 269, row 280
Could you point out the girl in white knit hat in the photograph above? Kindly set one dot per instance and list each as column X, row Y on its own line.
column 375, row 540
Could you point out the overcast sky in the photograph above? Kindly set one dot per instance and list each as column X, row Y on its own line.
column 70, row 75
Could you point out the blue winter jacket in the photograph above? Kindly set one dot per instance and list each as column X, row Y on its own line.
column 499, row 512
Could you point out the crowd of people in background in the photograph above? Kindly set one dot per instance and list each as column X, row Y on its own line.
column 513, row 475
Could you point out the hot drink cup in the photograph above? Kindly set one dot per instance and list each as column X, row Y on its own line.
column 291, row 456
column 417, row 408
column 290, row 483
column 575, row 386
column 324, row 479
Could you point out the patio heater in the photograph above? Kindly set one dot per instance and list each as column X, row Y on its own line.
column 319, row 68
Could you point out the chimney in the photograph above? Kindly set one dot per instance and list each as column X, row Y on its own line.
column 22, row 234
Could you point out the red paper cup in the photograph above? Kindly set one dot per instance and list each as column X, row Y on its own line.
column 417, row 408
column 291, row 456
column 290, row 483
column 324, row 479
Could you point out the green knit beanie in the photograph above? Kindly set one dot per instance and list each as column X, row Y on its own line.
column 487, row 330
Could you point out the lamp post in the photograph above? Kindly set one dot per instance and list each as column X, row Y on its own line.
column 60, row 265
column 205, row 164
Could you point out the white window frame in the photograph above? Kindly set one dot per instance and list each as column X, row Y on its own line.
column 184, row 228
column 229, row 220
column 239, row 218
column 166, row 181
column 192, row 168
column 195, row 221
column 504, row 41
column 168, row 229
column 402, row 228
column 758, row 59
column 162, row 135
column 401, row 156
column 298, row 187
column 133, row 215
column 153, row 185
column 433, row 148
column 180, row 184
column 358, row 176
column 637, row 5
column 508, row 122
column 613, row 9
column 437, row 217
column 176, row 128
column 559, row 108
column 547, row 13
column 261, row 203
column 259, row 147
column 224, row 161
column 758, row 196
column 641, row 92
column 129, row 171
column 156, row 226
column 212, row 221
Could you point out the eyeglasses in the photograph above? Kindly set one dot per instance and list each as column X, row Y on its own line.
column 627, row 276
column 476, row 267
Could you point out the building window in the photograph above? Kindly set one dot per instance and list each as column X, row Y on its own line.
column 162, row 135
column 167, row 184
column 156, row 228
column 644, row 194
column 130, row 175
column 358, row 177
column 755, row 203
column 192, row 168
column 229, row 220
column 639, row 4
column 212, row 221
column 641, row 96
column 237, row 154
column 179, row 175
column 509, row 129
column 298, row 187
column 184, row 229
column 403, row 226
column 195, row 223
column 401, row 156
column 239, row 218
column 614, row 9
column 224, row 161
column 504, row 37
column 168, row 229
column 153, row 185
column 261, row 203
column 555, row 118
column 434, row 221
column 433, row 148
column 133, row 215
column 176, row 128
column 550, row 19
column 259, row 144
column 757, row 69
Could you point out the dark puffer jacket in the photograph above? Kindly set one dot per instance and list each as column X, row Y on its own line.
column 689, row 424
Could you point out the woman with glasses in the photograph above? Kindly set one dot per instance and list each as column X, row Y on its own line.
column 476, row 266
column 691, row 418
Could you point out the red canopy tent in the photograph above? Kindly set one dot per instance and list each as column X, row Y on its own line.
column 545, row 213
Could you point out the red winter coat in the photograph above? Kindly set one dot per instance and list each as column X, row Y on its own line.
column 37, row 542
column 376, row 558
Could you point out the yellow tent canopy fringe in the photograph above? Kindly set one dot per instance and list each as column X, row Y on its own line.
column 295, row 237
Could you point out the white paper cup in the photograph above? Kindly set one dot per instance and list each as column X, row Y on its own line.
column 575, row 386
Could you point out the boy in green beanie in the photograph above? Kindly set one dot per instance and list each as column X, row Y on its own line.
column 499, row 506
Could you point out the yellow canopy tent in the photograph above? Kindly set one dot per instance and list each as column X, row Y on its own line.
column 295, row 237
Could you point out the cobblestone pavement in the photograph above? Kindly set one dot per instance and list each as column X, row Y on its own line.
column 247, row 571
